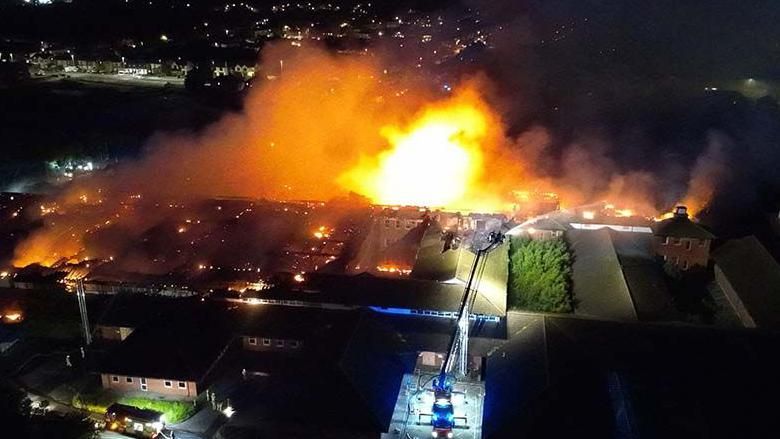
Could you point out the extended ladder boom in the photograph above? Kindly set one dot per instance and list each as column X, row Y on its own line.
column 458, row 348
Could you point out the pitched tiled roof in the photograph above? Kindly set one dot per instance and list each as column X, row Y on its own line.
column 681, row 227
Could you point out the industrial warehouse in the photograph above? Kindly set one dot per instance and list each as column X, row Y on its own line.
column 389, row 219
column 399, row 322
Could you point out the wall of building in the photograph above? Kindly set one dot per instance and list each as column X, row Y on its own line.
column 391, row 229
column 542, row 234
column 255, row 343
column 115, row 333
column 684, row 253
column 733, row 298
column 166, row 387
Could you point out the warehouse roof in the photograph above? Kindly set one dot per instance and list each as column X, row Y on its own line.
column 754, row 275
column 567, row 376
column 372, row 291
column 599, row 286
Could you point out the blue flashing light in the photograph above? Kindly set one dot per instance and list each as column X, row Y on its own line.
column 429, row 313
column 443, row 415
column 399, row 311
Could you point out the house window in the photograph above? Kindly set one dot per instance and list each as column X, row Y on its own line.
column 676, row 241
column 266, row 342
column 397, row 224
column 182, row 385
column 702, row 242
column 252, row 340
column 144, row 387
column 115, row 378
column 294, row 344
column 688, row 244
column 685, row 265
column 387, row 223
column 129, row 379
column 279, row 343
column 167, row 384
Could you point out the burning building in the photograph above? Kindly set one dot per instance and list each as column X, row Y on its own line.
column 397, row 235
column 529, row 204
column 215, row 209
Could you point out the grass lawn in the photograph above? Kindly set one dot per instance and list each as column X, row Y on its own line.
column 174, row 411
column 98, row 402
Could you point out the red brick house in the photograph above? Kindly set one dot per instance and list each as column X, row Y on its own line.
column 168, row 387
column 681, row 242
column 171, row 362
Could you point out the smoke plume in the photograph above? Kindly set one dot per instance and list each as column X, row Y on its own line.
column 296, row 139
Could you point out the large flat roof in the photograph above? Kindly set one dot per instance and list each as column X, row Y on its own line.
column 577, row 377
column 366, row 290
column 754, row 275
column 599, row 286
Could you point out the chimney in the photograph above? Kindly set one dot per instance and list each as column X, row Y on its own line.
column 681, row 212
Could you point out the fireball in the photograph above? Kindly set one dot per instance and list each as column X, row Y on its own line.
column 432, row 162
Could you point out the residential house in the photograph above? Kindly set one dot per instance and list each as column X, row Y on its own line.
column 244, row 70
column 165, row 361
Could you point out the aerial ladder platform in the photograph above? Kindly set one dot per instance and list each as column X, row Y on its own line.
column 456, row 362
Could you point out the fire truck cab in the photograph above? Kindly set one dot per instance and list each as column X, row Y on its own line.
column 443, row 418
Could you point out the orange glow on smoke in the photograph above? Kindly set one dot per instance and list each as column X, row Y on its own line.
column 328, row 126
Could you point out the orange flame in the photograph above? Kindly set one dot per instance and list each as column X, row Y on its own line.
column 429, row 164
column 434, row 161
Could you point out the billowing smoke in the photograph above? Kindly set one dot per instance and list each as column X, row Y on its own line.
column 295, row 139
column 294, row 136
column 709, row 172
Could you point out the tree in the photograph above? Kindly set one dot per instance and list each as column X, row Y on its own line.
column 690, row 293
column 540, row 275
column 196, row 77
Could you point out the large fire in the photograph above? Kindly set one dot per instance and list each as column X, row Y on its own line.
column 332, row 125
column 433, row 162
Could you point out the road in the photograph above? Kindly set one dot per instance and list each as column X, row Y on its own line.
column 115, row 79
column 178, row 435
